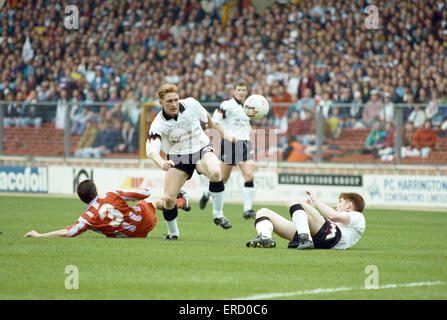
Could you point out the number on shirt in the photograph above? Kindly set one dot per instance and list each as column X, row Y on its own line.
column 116, row 217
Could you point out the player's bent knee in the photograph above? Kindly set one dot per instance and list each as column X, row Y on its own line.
column 263, row 212
column 169, row 202
column 215, row 175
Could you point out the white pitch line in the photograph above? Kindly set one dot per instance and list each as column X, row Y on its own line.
column 332, row 290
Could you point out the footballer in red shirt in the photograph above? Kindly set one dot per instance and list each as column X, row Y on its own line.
column 110, row 214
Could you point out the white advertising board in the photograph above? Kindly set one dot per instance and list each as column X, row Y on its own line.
column 406, row 190
column 270, row 187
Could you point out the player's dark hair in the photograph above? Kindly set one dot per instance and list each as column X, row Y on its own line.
column 86, row 191
column 355, row 198
column 240, row 83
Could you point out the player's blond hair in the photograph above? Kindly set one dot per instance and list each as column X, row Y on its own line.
column 165, row 89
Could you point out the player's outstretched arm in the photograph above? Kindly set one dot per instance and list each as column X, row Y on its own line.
column 57, row 233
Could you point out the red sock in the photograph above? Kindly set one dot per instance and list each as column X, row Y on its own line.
column 180, row 203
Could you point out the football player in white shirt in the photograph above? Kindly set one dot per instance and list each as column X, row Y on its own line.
column 328, row 228
column 177, row 131
column 236, row 149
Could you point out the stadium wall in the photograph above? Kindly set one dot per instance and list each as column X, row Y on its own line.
column 387, row 186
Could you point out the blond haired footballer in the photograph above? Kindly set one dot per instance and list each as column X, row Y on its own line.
column 177, row 131
column 319, row 227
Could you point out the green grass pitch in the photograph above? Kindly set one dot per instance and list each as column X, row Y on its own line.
column 406, row 247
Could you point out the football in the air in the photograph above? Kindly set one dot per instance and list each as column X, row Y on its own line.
column 256, row 107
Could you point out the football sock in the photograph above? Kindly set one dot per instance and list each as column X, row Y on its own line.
column 170, row 216
column 248, row 195
column 264, row 227
column 216, row 190
column 206, row 193
column 172, row 227
column 299, row 218
column 180, row 203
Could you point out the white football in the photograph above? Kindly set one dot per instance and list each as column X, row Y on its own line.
column 256, row 107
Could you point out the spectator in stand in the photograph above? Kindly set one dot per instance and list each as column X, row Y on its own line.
column 336, row 122
column 387, row 113
column 61, row 109
column 327, row 132
column 50, row 94
column 130, row 137
column 372, row 110
column 326, row 104
column 88, row 138
column 307, row 102
column 294, row 152
column 304, row 134
column 129, row 105
column 424, row 139
column 355, row 112
column 375, row 140
column 30, row 112
column 407, row 141
column 113, row 98
column 11, row 111
column 432, row 111
column 116, row 136
column 387, row 152
column 99, row 81
column 104, row 143
column 80, row 114
column 283, row 98
column 293, row 128
column 417, row 116
column 307, row 82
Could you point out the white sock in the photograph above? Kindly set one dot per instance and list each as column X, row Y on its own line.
column 173, row 228
column 299, row 218
column 264, row 228
column 248, row 198
column 206, row 193
column 218, row 201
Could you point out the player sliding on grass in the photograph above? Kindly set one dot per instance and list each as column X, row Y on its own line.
column 177, row 131
column 110, row 215
column 329, row 228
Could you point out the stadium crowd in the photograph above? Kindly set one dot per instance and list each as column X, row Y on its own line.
column 300, row 55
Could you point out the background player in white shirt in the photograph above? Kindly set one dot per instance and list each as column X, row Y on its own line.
column 339, row 228
column 177, row 131
column 236, row 149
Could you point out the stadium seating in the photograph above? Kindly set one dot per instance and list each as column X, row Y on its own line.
column 220, row 55
column 44, row 141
